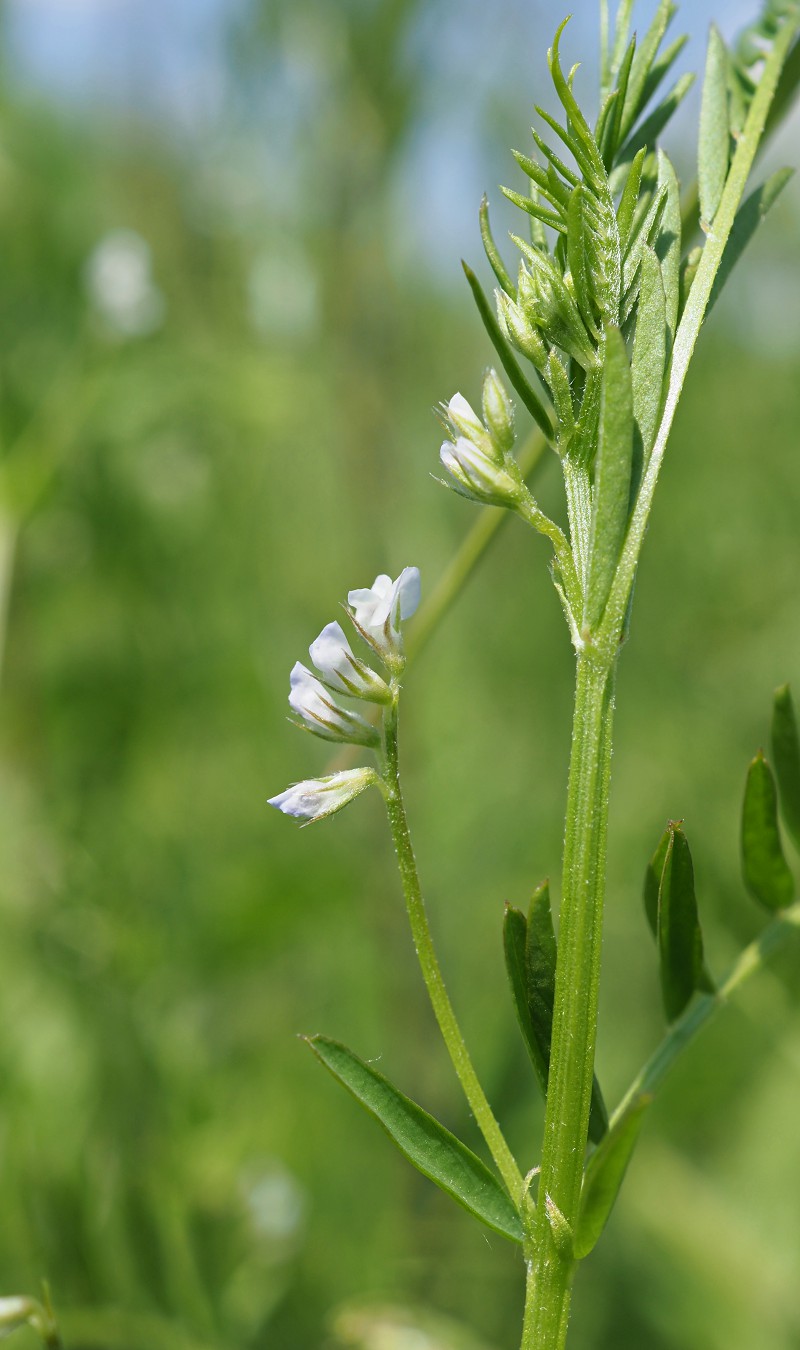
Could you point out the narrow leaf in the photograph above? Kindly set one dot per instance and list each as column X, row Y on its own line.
column 786, row 753
column 561, row 394
column 612, row 482
column 612, row 130
column 604, row 1174
column 515, row 938
column 652, row 882
column 532, row 403
column 629, row 199
column 622, row 27
column 643, row 64
column 713, row 148
column 748, row 218
column 557, row 164
column 680, row 940
column 548, row 184
column 580, row 257
column 766, row 873
column 495, row 261
column 580, row 126
column 668, row 244
column 659, row 72
column 648, row 132
column 533, row 208
column 649, row 351
column 431, row 1148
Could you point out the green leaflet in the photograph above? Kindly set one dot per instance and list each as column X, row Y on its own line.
column 604, row 1174
column 582, row 259
column 748, row 218
column 612, row 475
column 648, row 132
column 661, row 68
column 611, row 135
column 532, row 403
column 580, row 127
column 652, row 882
column 680, row 940
column 713, row 148
column 649, row 351
column 532, row 208
column 629, row 199
column 766, row 873
column 495, row 261
column 786, row 754
column 636, row 95
column 530, row 952
column 431, row 1148
column 515, row 938
column 668, row 244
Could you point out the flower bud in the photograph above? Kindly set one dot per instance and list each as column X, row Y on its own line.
column 498, row 412
column 342, row 670
column 315, row 798
column 318, row 711
column 477, row 476
column 520, row 332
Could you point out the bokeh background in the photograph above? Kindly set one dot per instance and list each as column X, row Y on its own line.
column 230, row 295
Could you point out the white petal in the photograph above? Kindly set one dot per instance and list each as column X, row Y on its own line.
column 331, row 652
column 408, row 590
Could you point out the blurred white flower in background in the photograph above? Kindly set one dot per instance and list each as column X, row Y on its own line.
column 121, row 287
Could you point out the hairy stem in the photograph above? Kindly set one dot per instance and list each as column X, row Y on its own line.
column 575, row 1013
column 431, row 970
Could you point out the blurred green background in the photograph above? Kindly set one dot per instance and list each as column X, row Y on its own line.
column 230, row 296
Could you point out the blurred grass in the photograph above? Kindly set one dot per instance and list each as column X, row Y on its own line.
column 192, row 503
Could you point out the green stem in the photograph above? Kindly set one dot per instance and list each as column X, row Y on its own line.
column 702, row 1009
column 575, row 1013
column 431, row 970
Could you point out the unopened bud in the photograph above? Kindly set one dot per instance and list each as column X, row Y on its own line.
column 520, row 332
column 498, row 412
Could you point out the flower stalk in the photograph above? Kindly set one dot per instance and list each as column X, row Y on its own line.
column 429, row 963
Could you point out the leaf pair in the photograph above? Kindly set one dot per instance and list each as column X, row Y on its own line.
column 767, row 875
column 530, row 952
column 671, row 908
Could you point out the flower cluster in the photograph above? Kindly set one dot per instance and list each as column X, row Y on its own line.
column 376, row 613
column 477, row 455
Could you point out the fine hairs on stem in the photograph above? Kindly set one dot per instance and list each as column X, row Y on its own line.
column 593, row 330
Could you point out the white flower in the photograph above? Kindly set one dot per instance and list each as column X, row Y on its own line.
column 319, row 711
column 342, row 670
column 477, row 476
column 379, row 610
column 316, row 798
